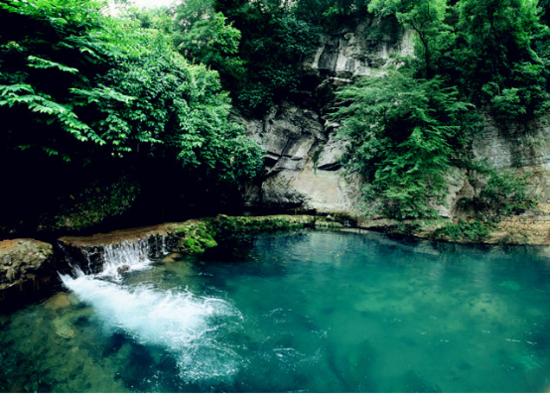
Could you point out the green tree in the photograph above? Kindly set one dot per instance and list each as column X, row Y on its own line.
column 495, row 54
column 274, row 42
column 213, row 42
column 44, row 52
column 104, row 87
column 331, row 13
column 404, row 134
column 426, row 19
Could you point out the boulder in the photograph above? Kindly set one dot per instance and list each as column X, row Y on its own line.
column 123, row 269
column 26, row 266
column 22, row 259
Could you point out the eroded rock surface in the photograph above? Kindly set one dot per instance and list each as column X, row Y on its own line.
column 525, row 147
column 302, row 164
column 288, row 134
column 364, row 50
column 314, row 190
column 21, row 259
column 302, row 156
column 26, row 268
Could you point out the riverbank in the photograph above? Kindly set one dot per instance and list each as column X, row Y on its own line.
column 25, row 278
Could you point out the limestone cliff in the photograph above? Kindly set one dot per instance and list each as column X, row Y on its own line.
column 303, row 172
column 302, row 162
column 526, row 147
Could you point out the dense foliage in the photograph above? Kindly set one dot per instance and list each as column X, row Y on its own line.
column 409, row 126
column 86, row 96
column 83, row 86
column 275, row 41
column 403, row 134
column 87, row 87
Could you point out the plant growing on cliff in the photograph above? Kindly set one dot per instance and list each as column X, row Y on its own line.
column 426, row 19
column 404, row 134
column 494, row 51
column 505, row 193
column 476, row 229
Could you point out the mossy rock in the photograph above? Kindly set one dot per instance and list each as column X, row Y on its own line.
column 198, row 235
column 210, row 244
column 196, row 250
column 189, row 242
column 328, row 225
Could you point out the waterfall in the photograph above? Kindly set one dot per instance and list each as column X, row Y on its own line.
column 129, row 255
column 184, row 324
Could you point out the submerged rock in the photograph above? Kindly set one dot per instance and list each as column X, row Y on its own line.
column 123, row 269
column 354, row 369
column 58, row 301
column 63, row 328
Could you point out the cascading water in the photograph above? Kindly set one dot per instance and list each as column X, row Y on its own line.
column 131, row 255
column 181, row 323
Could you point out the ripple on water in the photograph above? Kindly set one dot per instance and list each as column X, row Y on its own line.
column 319, row 312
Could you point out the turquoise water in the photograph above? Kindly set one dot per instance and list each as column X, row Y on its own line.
column 310, row 312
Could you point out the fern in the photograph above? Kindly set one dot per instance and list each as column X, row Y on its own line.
column 404, row 135
column 99, row 94
column 36, row 62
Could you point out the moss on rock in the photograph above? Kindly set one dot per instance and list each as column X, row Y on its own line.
column 197, row 235
column 230, row 227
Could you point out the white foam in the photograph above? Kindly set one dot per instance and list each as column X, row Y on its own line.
column 134, row 255
column 184, row 324
column 179, row 322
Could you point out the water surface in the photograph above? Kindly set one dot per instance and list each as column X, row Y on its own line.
column 309, row 312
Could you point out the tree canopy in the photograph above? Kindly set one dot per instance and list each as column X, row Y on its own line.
column 81, row 85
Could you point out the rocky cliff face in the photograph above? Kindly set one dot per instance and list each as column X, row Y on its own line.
column 526, row 148
column 361, row 51
column 302, row 163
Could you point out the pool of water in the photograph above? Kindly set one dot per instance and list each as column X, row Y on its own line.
column 308, row 312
